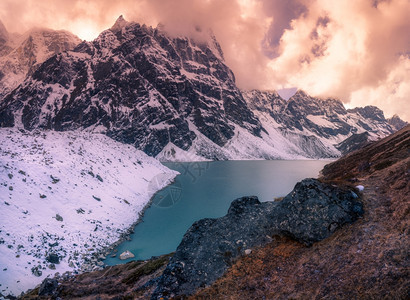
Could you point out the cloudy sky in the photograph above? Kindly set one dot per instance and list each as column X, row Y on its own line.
column 354, row 50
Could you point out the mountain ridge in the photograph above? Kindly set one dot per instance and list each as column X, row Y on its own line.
column 176, row 99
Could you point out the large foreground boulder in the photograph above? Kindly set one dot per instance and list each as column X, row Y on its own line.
column 310, row 213
column 314, row 210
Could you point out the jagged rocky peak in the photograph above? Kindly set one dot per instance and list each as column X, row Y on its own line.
column 174, row 94
column 196, row 34
column 300, row 94
column 264, row 100
column 119, row 24
column 55, row 41
column 315, row 106
column 4, row 35
column 396, row 122
column 267, row 94
column 370, row 112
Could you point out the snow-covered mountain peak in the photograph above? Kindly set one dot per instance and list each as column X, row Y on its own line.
column 300, row 94
column 143, row 86
column 22, row 54
column 47, row 42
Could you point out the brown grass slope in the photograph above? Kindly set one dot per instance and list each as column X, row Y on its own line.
column 366, row 260
column 124, row 281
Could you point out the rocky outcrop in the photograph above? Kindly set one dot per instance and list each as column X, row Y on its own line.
column 133, row 280
column 48, row 287
column 310, row 213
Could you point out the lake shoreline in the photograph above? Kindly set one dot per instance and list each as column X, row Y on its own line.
column 97, row 261
column 200, row 180
column 126, row 235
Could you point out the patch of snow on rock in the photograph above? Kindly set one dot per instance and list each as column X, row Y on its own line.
column 360, row 188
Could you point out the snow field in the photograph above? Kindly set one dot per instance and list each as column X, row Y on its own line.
column 66, row 193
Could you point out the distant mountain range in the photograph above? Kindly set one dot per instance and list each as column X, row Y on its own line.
column 172, row 97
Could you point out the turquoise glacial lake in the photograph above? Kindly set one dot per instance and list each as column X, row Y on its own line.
column 205, row 190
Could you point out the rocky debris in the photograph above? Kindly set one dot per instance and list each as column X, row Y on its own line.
column 37, row 271
column 48, row 287
column 126, row 254
column 59, row 218
column 310, row 213
column 53, row 258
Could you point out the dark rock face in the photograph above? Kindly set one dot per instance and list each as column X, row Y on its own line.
column 314, row 210
column 369, row 112
column 53, row 258
column 354, row 142
column 310, row 213
column 48, row 287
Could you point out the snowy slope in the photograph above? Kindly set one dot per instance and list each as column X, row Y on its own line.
column 67, row 193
